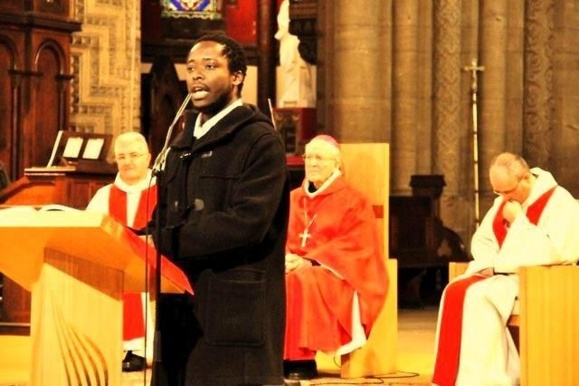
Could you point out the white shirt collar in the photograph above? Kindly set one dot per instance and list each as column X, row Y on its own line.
column 149, row 180
column 202, row 129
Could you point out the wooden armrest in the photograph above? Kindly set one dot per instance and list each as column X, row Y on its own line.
column 456, row 269
column 549, row 325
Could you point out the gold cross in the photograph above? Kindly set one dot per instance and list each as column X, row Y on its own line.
column 474, row 68
column 305, row 236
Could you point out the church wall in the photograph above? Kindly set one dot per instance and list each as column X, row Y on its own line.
column 34, row 80
column 408, row 86
column 105, row 58
column 566, row 90
column 417, row 94
column 354, row 67
column 9, row 54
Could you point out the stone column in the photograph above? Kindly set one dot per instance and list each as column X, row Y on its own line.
column 423, row 82
column 356, row 70
column 493, row 87
column 447, row 93
column 515, row 70
column 404, row 85
column 565, row 120
column 538, row 81
column 449, row 130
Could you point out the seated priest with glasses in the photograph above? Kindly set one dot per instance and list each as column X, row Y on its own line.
column 130, row 200
column 533, row 221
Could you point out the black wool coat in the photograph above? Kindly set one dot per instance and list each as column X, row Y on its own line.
column 222, row 218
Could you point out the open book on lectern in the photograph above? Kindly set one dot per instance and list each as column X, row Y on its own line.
column 91, row 236
column 10, row 210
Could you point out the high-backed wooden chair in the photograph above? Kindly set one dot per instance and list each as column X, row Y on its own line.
column 366, row 165
column 547, row 317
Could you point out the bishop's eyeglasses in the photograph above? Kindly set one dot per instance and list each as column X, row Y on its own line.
column 128, row 157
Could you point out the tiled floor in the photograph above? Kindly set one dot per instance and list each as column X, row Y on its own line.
column 416, row 329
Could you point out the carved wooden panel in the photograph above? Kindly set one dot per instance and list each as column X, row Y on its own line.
column 9, row 48
column 12, row 5
column 53, row 6
column 34, row 80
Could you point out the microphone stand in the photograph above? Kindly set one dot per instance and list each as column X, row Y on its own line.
column 158, row 171
column 159, row 164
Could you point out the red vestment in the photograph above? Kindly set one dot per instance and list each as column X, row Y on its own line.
column 344, row 241
column 133, row 315
column 447, row 357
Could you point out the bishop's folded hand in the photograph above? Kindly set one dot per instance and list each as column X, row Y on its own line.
column 293, row 261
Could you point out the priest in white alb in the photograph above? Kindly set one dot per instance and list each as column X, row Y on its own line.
column 533, row 221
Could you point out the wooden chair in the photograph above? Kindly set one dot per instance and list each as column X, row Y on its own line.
column 366, row 165
column 547, row 319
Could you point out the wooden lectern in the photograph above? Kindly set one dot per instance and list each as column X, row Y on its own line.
column 77, row 265
column 42, row 186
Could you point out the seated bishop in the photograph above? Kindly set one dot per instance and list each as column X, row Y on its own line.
column 336, row 279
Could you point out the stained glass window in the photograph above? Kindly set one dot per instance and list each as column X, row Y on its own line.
column 192, row 9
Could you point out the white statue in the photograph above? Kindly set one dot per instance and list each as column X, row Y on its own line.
column 298, row 90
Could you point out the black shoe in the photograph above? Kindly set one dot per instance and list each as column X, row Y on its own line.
column 133, row 362
column 300, row 370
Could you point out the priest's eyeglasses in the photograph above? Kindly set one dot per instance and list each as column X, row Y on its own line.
column 509, row 191
column 128, row 157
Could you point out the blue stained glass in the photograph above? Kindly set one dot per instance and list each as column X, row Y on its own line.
column 201, row 9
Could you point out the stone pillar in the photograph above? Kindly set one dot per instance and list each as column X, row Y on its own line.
column 354, row 67
column 423, row 84
column 404, row 85
column 538, row 81
column 565, row 142
column 493, row 88
column 514, row 70
column 447, row 93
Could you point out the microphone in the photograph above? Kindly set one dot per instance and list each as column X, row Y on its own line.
column 161, row 157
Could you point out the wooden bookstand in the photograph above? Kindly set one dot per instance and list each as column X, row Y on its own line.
column 77, row 265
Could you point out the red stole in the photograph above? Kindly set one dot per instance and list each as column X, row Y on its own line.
column 450, row 334
column 118, row 206
column 133, row 315
column 533, row 214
